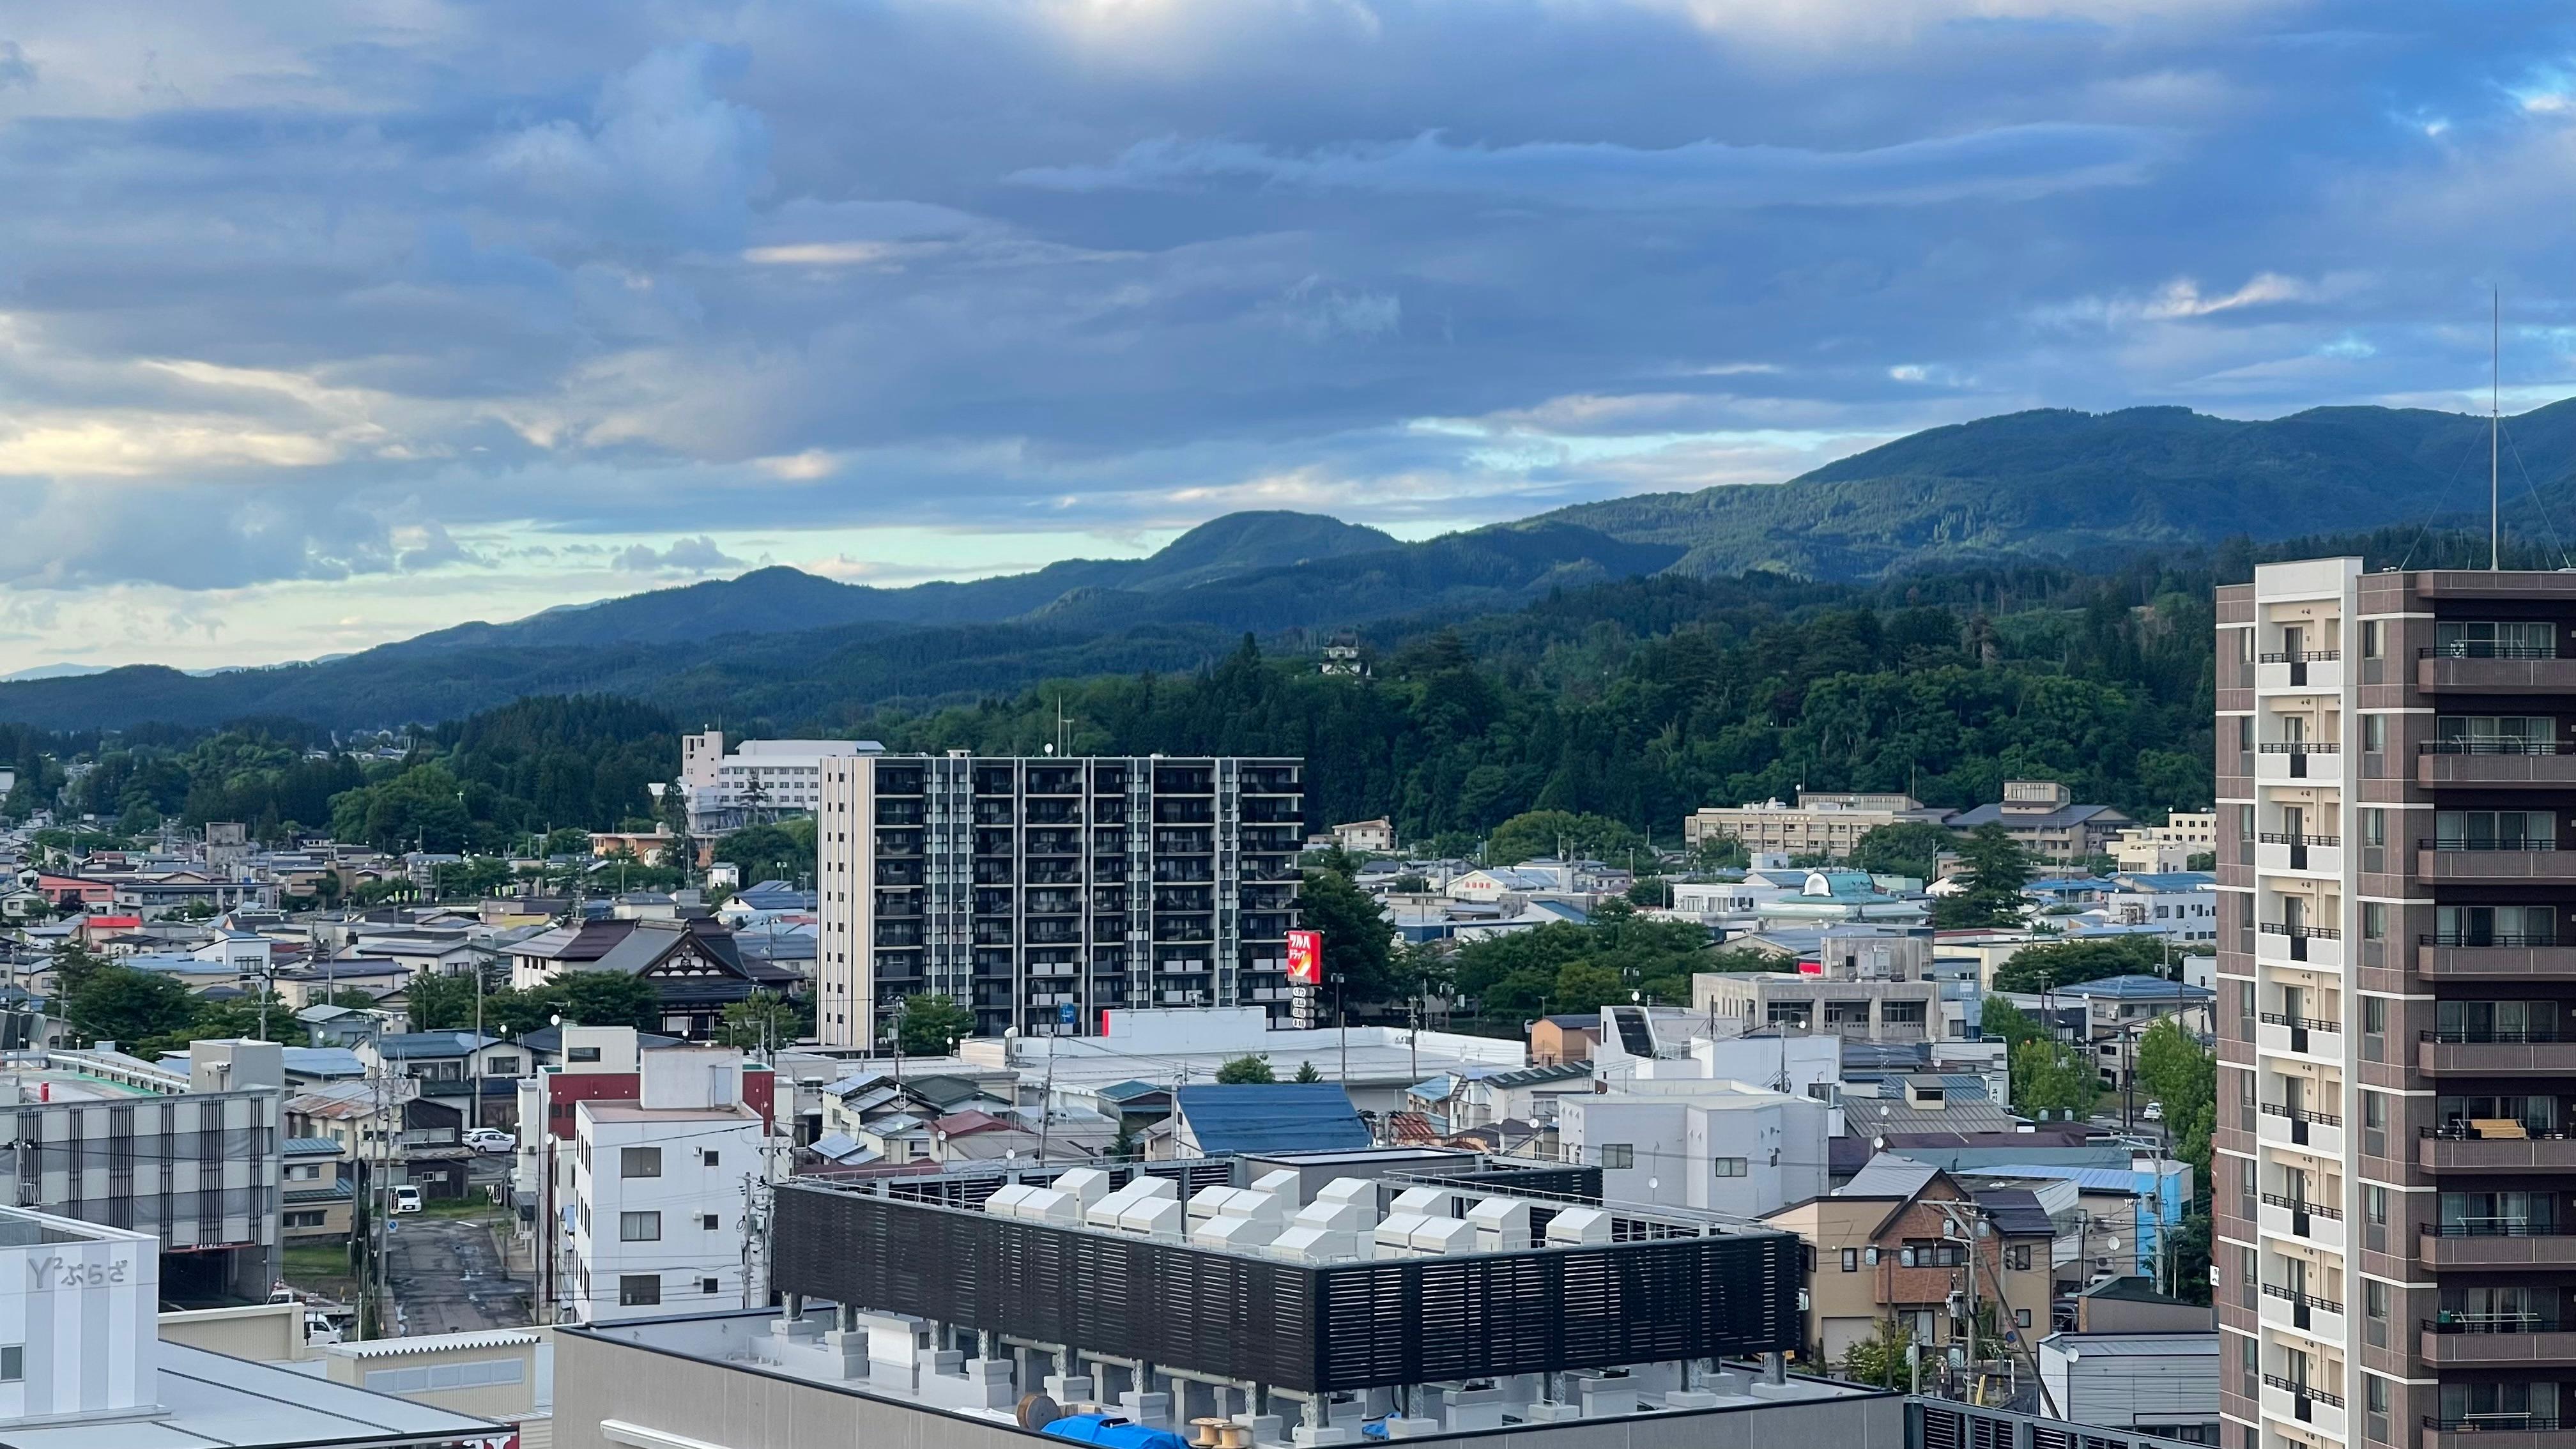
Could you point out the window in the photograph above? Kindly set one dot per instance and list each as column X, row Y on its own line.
column 2021, row 1318
column 2373, row 644
column 447, row 1376
column 1730, row 1166
column 639, row 1227
column 302, row 1220
column 1618, row 1154
column 639, row 1162
column 2374, row 921
column 2375, row 1396
column 2479, row 639
column 1851, row 1260
column 708, row 1157
column 711, row 1285
column 1901, row 1013
column 710, row 1221
column 1846, row 1013
column 13, row 1363
column 581, row 1054
column 2374, row 1016
column 2374, row 734
column 2019, row 1258
column 639, row 1290
column 2374, row 1205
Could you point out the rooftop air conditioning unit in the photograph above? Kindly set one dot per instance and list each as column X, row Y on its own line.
column 1436, row 1237
column 1394, row 1237
column 1046, row 1205
column 1161, row 1218
column 1303, row 1244
column 1280, row 1179
column 1502, row 1224
column 1579, row 1227
column 1425, row 1200
column 1005, row 1201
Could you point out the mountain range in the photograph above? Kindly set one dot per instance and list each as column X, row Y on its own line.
column 777, row 643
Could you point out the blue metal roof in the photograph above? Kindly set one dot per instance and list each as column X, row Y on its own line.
column 2137, row 988
column 1284, row 1117
column 2170, row 880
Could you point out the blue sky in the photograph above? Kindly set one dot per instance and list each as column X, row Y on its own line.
column 324, row 324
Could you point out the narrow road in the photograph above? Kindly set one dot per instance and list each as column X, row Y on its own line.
column 447, row 1279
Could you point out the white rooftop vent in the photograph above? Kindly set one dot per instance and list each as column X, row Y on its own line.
column 1087, row 1184
column 1502, row 1224
column 1335, row 1217
column 1576, row 1227
column 1237, row 1234
column 1349, row 1189
column 1154, row 1217
column 1278, row 1179
column 1427, row 1200
column 1046, row 1205
column 1394, row 1238
column 1301, row 1244
column 1209, row 1202
column 1005, row 1201
column 1437, row 1236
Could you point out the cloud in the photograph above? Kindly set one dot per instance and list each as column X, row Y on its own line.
column 698, row 555
column 2011, row 162
column 318, row 317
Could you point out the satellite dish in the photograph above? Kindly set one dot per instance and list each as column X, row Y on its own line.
column 1036, row 1411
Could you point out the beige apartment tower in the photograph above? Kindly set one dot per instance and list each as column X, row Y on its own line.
column 2395, row 1177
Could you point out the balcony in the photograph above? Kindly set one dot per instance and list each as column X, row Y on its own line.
column 2493, row 957
column 2320, row 853
column 2305, row 1312
column 2528, row 1053
column 2309, row 669
column 2500, row 1342
column 2494, row 1147
column 2501, row 862
column 2275, row 760
column 2303, row 1403
column 2309, row 1222
column 2318, row 1132
column 2495, row 1243
column 2299, row 1034
column 2503, row 763
column 2498, row 1431
column 2493, row 669
column 2314, row 945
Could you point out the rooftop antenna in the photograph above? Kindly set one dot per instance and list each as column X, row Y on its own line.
column 2495, row 423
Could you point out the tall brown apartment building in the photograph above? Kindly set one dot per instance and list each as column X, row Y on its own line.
column 2395, row 1175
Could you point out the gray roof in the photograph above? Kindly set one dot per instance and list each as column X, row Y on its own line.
column 413, row 1045
column 2190, row 1343
column 211, row 1401
column 2057, row 819
column 1889, row 1175
column 2016, row 1213
column 310, row 1147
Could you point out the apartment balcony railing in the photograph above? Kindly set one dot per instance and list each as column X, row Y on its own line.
column 2296, row 756
column 2318, row 1131
column 2282, row 1031
column 2281, row 850
column 2302, row 1390
column 2321, row 944
column 2312, row 1222
column 2494, row 860
column 2499, row 1340
column 2493, row 1424
column 2305, row 1308
column 2297, row 670
column 2493, row 669
column 2504, row 764
column 2497, row 1147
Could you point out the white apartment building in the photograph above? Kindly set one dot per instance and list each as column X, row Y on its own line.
column 2161, row 849
column 1823, row 822
column 759, row 779
column 661, row 1193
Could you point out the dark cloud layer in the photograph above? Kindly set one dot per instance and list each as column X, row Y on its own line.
column 303, row 294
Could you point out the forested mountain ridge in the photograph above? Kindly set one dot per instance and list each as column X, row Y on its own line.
column 2026, row 488
column 2055, row 483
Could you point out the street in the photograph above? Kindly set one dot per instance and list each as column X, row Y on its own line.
column 447, row 1279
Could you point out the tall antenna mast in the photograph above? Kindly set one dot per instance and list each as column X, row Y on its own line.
column 2495, row 398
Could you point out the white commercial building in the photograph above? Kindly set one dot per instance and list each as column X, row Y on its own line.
column 759, row 779
column 661, row 1192
column 1718, row 1146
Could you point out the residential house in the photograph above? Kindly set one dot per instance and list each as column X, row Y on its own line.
column 384, row 1126
column 1903, row 1243
column 316, row 1201
column 1222, row 1121
column 693, row 965
column 1366, row 837
column 316, row 983
column 1555, row 1040
column 660, row 1192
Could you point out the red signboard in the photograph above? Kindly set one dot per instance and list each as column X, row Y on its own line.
column 1306, row 957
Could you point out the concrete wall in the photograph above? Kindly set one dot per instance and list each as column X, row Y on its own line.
column 261, row 1333
column 732, row 1407
column 449, row 1371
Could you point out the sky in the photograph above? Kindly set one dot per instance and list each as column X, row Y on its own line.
column 323, row 324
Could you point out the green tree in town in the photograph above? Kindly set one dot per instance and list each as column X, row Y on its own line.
column 1359, row 944
column 1910, row 847
column 1245, row 1071
column 1719, row 851
column 1306, row 1073
column 1651, row 890
column 2034, row 969
column 1880, row 1359
column 1559, row 834
column 764, row 1020
column 933, row 1025
column 2009, row 1024
column 1996, row 870
column 2053, row 1077
column 784, row 851
column 439, row 1002
column 128, row 1007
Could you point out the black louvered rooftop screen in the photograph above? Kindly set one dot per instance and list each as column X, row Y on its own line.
column 1289, row 1325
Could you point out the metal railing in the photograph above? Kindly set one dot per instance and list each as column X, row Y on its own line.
column 2302, row 933
column 2493, row 1228
column 2305, row 656
column 2534, row 843
column 2491, row 1035
column 2489, row 651
column 2299, row 1114
column 2451, row 1323
column 2475, row 939
column 2497, row 1423
column 2494, row 747
column 2302, row 1205
column 2299, row 747
column 2277, row 838
column 2301, row 1300
column 2303, row 1390
column 2468, row 1132
column 2303, row 1023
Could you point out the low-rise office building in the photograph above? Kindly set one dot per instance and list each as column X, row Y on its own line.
column 2042, row 815
column 1823, row 822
